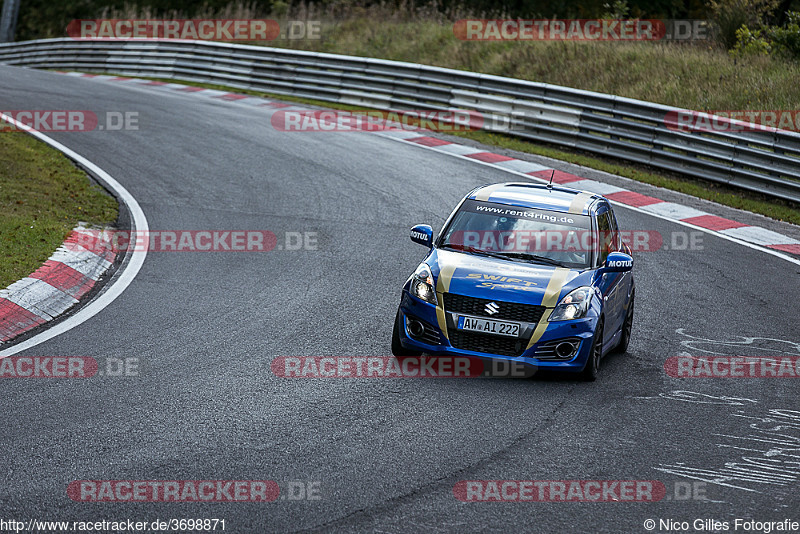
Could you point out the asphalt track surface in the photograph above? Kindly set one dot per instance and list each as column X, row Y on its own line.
column 386, row 452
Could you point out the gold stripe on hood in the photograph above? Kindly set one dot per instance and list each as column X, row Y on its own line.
column 485, row 192
column 448, row 263
column 577, row 204
column 550, row 300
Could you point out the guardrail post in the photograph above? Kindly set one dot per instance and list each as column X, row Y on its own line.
column 8, row 21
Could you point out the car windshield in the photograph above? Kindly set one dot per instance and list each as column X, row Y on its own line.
column 521, row 234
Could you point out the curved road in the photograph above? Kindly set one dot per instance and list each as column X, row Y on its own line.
column 386, row 453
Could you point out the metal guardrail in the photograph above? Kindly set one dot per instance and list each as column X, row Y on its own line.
column 765, row 160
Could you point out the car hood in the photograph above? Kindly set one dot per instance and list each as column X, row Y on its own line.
column 510, row 281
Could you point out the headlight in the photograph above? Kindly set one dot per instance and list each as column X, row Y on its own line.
column 574, row 305
column 422, row 284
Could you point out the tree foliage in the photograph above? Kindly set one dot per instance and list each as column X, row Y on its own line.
column 49, row 18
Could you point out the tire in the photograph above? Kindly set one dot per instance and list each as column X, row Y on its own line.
column 592, row 368
column 397, row 349
column 627, row 328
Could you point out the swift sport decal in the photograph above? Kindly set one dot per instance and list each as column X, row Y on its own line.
column 492, row 281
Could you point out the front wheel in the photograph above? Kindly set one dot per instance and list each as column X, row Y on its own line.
column 595, row 355
column 397, row 349
column 627, row 328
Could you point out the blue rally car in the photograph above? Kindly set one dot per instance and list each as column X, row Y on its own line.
column 521, row 272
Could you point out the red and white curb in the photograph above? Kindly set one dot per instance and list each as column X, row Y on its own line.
column 755, row 236
column 69, row 274
column 224, row 96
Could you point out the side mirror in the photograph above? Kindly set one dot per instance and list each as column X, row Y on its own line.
column 422, row 234
column 618, row 262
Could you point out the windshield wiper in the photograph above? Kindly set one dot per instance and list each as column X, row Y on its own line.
column 520, row 256
column 466, row 248
column 534, row 257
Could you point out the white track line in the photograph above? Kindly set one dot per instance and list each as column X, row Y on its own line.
column 769, row 251
column 116, row 287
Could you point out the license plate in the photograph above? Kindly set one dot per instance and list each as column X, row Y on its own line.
column 488, row 326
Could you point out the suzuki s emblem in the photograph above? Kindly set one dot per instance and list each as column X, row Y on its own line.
column 492, row 308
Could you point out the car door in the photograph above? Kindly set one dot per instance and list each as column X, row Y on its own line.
column 625, row 282
column 611, row 284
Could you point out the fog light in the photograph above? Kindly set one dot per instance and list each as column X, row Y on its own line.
column 565, row 350
column 415, row 328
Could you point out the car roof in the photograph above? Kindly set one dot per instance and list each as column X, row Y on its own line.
column 538, row 196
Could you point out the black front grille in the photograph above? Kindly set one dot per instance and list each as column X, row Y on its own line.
column 504, row 346
column 509, row 311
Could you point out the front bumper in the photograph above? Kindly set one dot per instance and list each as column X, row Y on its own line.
column 438, row 341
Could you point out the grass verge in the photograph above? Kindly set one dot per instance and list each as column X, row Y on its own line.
column 700, row 76
column 43, row 196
